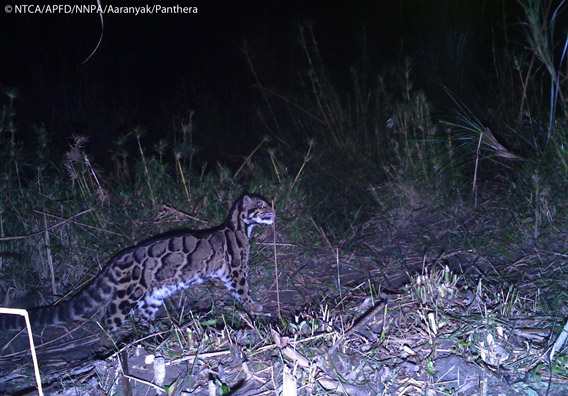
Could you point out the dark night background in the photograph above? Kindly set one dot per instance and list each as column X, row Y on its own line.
column 152, row 70
column 394, row 138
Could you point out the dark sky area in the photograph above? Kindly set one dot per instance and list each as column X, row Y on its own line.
column 151, row 70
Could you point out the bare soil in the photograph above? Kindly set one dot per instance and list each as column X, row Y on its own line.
column 396, row 309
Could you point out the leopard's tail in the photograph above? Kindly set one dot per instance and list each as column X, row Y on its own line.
column 84, row 304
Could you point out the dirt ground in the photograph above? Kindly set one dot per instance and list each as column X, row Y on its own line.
column 393, row 310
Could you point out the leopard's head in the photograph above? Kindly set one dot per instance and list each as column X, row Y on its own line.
column 251, row 210
column 257, row 210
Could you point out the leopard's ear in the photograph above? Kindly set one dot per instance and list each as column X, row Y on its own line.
column 246, row 200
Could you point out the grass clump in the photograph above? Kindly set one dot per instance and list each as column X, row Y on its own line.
column 63, row 218
column 414, row 242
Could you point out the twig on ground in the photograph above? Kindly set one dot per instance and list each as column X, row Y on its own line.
column 362, row 321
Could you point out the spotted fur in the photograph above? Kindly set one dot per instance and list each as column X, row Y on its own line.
column 141, row 277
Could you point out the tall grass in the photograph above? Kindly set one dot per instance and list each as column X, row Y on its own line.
column 327, row 150
column 377, row 129
column 527, row 153
column 62, row 218
column 333, row 158
column 382, row 128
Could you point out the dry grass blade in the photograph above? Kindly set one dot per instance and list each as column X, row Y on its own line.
column 276, row 280
column 64, row 221
column 328, row 383
column 559, row 341
column 500, row 150
column 358, row 324
column 169, row 210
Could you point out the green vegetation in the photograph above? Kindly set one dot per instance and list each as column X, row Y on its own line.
column 375, row 188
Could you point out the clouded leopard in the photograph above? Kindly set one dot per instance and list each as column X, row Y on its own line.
column 141, row 277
